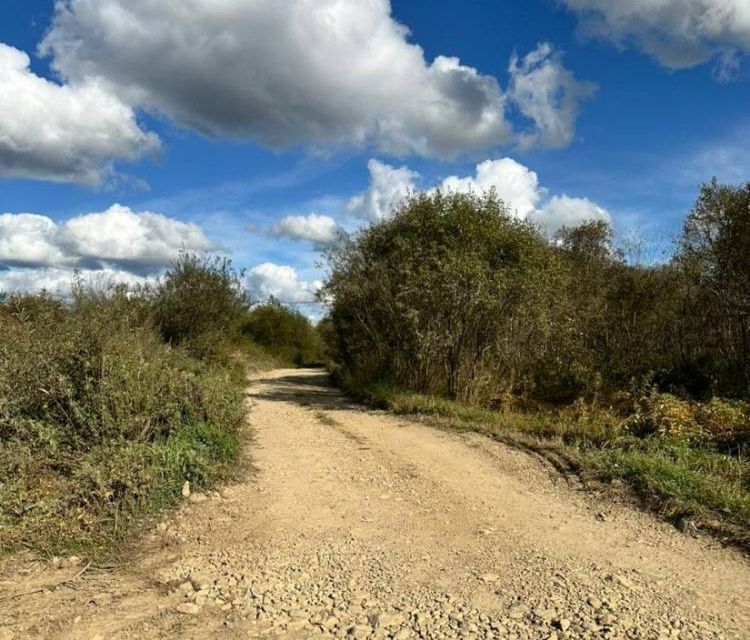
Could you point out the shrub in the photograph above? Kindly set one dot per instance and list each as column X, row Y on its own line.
column 664, row 415
column 88, row 375
column 726, row 421
column 100, row 420
column 450, row 295
column 200, row 304
column 285, row 333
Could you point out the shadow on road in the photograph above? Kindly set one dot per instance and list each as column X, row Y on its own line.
column 309, row 388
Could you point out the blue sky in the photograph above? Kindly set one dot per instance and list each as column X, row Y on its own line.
column 218, row 121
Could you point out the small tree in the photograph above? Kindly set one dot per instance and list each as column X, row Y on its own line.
column 200, row 303
column 715, row 256
column 443, row 297
column 284, row 332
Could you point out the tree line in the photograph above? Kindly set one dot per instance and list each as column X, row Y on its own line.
column 453, row 295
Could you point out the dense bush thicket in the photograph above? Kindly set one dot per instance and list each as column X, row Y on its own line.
column 110, row 402
column 453, row 295
column 446, row 297
column 285, row 333
column 200, row 304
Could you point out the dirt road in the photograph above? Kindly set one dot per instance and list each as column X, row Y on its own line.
column 358, row 524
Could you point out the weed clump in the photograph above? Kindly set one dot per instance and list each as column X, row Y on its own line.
column 666, row 416
column 727, row 422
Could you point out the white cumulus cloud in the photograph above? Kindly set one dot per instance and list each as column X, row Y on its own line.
column 59, row 132
column 143, row 240
column 677, row 33
column 319, row 229
column 549, row 95
column 388, row 187
column 36, row 251
column 564, row 211
column 27, row 239
column 297, row 72
column 282, row 282
column 515, row 184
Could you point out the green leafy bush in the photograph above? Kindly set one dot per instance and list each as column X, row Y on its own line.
column 450, row 295
column 285, row 333
column 100, row 420
column 200, row 304
column 93, row 374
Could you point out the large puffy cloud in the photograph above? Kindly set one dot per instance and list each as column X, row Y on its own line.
column 62, row 133
column 565, row 211
column 517, row 185
column 321, row 230
column 37, row 252
column 549, row 95
column 388, row 187
column 282, row 282
column 678, row 33
column 139, row 240
column 30, row 240
column 311, row 72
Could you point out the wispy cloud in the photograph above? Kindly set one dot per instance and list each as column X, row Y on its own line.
column 235, row 195
column 727, row 159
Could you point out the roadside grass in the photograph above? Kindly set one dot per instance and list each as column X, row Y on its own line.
column 684, row 479
column 88, row 503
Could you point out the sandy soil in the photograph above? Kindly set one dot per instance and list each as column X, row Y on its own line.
column 354, row 523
